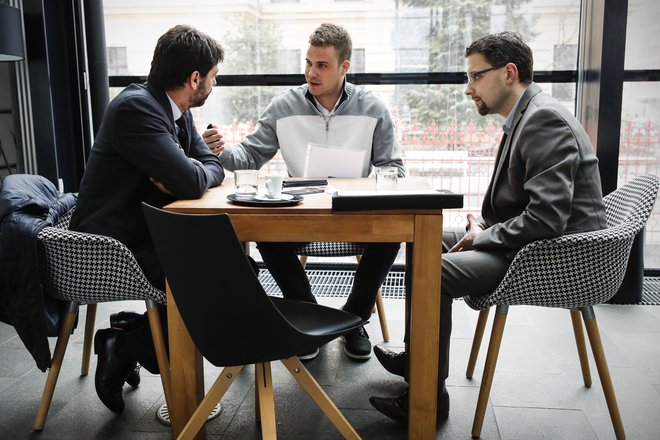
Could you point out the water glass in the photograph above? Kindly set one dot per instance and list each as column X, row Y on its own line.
column 386, row 178
column 246, row 183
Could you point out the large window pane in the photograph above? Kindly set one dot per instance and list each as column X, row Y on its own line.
column 642, row 42
column 640, row 151
column 441, row 134
column 388, row 35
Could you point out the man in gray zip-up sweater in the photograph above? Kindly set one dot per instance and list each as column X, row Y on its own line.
column 327, row 111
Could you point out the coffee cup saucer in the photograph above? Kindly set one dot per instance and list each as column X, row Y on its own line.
column 265, row 197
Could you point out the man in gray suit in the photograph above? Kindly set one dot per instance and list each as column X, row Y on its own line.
column 545, row 184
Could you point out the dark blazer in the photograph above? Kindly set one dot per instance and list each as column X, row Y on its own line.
column 546, row 181
column 138, row 141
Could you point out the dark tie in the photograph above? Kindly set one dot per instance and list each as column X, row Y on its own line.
column 182, row 134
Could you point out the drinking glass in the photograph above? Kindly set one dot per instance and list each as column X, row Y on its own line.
column 246, row 183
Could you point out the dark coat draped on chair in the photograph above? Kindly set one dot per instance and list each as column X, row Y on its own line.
column 28, row 203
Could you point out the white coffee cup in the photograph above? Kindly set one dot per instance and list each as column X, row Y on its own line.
column 246, row 183
column 274, row 187
column 386, row 178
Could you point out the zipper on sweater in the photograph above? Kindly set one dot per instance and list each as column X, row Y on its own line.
column 327, row 126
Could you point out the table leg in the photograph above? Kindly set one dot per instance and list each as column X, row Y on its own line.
column 186, row 371
column 424, row 325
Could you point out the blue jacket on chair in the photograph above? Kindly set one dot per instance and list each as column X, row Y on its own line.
column 28, row 203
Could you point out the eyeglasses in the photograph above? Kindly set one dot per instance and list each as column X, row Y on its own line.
column 474, row 76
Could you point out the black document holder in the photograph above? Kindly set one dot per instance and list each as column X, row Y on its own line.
column 370, row 201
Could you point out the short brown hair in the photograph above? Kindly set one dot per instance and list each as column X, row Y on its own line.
column 506, row 47
column 329, row 34
column 178, row 53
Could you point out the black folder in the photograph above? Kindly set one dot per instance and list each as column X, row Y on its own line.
column 385, row 200
column 297, row 181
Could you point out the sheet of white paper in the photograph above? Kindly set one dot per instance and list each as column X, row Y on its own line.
column 325, row 161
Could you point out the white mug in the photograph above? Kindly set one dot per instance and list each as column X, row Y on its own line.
column 274, row 187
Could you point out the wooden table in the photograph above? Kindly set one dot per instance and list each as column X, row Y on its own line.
column 313, row 220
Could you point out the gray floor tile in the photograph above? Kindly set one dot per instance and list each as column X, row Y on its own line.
column 537, row 390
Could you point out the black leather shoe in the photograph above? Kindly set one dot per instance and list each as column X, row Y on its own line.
column 393, row 362
column 111, row 369
column 127, row 320
column 133, row 378
column 396, row 408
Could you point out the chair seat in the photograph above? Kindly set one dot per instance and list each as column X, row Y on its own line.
column 587, row 269
column 90, row 269
column 329, row 249
column 316, row 320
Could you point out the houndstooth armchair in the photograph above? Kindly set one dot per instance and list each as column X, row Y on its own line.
column 574, row 272
column 82, row 268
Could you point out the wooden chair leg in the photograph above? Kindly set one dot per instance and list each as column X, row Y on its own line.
column 314, row 390
column 489, row 368
column 159, row 346
column 303, row 260
column 381, row 316
column 264, row 386
column 380, row 308
column 218, row 389
column 56, row 364
column 476, row 342
column 89, row 337
column 576, row 320
column 603, row 371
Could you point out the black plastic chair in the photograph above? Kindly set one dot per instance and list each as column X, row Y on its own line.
column 231, row 319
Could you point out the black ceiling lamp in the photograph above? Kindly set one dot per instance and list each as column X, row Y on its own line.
column 11, row 34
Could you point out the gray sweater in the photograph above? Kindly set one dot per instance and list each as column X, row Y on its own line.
column 361, row 122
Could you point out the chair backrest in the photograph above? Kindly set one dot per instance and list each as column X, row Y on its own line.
column 633, row 202
column 228, row 314
column 88, row 268
column 581, row 269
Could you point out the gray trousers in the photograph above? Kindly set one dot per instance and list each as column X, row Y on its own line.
column 474, row 273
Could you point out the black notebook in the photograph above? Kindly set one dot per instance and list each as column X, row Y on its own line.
column 296, row 181
column 378, row 200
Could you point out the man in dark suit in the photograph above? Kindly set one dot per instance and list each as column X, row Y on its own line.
column 147, row 150
column 545, row 184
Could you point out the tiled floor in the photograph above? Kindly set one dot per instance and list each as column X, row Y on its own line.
column 537, row 391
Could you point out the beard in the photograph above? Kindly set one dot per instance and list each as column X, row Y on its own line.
column 482, row 108
column 199, row 98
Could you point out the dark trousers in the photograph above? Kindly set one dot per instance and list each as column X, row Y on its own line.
column 372, row 270
column 473, row 272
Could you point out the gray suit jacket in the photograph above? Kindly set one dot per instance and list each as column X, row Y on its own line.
column 546, row 181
